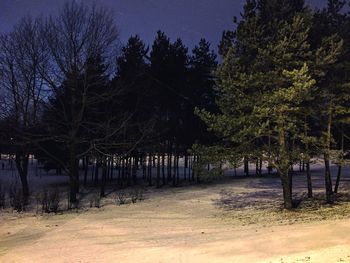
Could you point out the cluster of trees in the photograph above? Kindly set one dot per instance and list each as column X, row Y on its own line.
column 280, row 95
column 283, row 87
column 69, row 96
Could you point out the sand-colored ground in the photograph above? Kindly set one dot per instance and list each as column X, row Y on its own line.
column 238, row 220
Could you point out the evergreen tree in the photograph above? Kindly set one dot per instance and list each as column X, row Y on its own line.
column 263, row 82
column 201, row 92
column 330, row 39
column 132, row 81
column 131, row 74
column 168, row 73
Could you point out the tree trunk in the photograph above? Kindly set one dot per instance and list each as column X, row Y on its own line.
column 22, row 166
column 86, row 168
column 185, row 167
column 108, row 166
column 143, row 161
column 111, row 168
column 129, row 170
column 340, row 161
column 338, row 179
column 260, row 166
column 174, row 171
column 246, row 166
column 97, row 167
column 92, row 172
column 134, row 170
column 306, row 160
column 286, row 179
column 328, row 178
column 122, row 172
column 73, row 176
column 158, row 170
column 163, row 168
column 169, row 165
column 150, row 169
column 177, row 169
column 309, row 181
column 119, row 166
column 284, row 166
column 103, row 178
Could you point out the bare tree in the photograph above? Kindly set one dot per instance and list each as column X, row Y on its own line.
column 22, row 53
column 79, row 38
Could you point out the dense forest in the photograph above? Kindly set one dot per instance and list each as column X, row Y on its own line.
column 276, row 94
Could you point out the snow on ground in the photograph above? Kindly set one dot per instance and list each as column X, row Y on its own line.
column 233, row 220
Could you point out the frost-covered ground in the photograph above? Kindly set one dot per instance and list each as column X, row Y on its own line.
column 234, row 220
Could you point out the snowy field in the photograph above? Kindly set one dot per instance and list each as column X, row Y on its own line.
column 236, row 219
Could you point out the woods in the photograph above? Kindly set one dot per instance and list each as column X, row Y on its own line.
column 162, row 114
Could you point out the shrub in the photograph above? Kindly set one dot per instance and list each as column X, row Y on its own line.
column 134, row 195
column 54, row 201
column 17, row 201
column 49, row 201
column 121, row 198
column 140, row 194
column 95, row 201
column 71, row 205
column 41, row 201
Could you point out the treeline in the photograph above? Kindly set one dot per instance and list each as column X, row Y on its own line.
column 279, row 96
column 283, row 89
column 71, row 97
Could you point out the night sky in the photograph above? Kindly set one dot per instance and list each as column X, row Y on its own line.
column 187, row 19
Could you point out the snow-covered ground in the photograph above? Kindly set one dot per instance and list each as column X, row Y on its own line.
column 236, row 219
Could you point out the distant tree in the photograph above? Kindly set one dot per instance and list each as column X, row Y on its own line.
column 168, row 78
column 169, row 83
column 226, row 42
column 177, row 88
column 137, row 99
column 201, row 92
column 133, row 82
column 159, row 79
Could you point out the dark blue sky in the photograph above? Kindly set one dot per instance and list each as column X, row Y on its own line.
column 188, row 19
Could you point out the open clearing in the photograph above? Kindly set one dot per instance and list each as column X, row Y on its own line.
column 236, row 220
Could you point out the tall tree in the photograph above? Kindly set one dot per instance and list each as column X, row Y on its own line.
column 201, row 92
column 22, row 55
column 262, row 83
column 168, row 75
column 79, row 33
column 133, row 81
column 329, row 37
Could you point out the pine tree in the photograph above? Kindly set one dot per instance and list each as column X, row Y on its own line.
column 168, row 75
column 201, row 92
column 263, row 81
column 330, row 37
column 131, row 76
